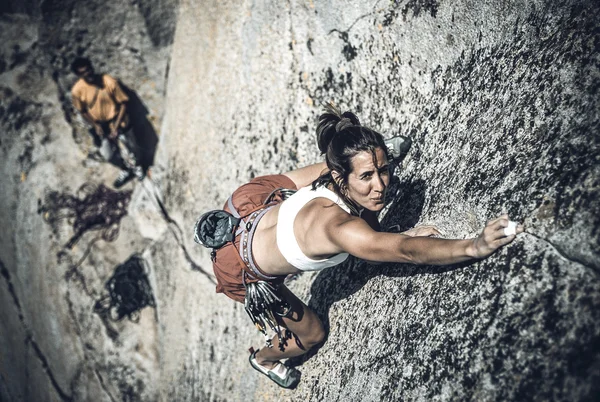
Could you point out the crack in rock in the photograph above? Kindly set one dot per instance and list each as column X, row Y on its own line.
column 42, row 358
column 565, row 254
column 4, row 389
column 349, row 51
column 29, row 336
column 103, row 386
column 177, row 233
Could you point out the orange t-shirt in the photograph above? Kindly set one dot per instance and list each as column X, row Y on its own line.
column 108, row 99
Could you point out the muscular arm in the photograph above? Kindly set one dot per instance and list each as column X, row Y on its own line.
column 118, row 120
column 304, row 176
column 92, row 122
column 88, row 117
column 356, row 237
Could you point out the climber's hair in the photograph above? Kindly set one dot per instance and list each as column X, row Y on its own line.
column 340, row 137
column 80, row 62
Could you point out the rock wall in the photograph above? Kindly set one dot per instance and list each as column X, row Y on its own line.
column 500, row 100
column 53, row 346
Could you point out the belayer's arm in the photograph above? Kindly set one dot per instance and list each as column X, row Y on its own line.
column 304, row 176
column 356, row 237
column 119, row 119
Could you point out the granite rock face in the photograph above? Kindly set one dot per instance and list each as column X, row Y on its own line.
column 500, row 100
column 54, row 346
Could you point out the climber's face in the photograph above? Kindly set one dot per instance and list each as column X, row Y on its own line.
column 86, row 73
column 368, row 181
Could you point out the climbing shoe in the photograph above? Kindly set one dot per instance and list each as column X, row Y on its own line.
column 123, row 177
column 139, row 173
column 282, row 375
column 398, row 146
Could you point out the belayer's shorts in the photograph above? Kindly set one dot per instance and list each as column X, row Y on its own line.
column 226, row 265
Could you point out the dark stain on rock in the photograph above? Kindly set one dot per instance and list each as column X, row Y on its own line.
column 349, row 51
column 160, row 18
column 412, row 8
column 211, row 356
column 15, row 112
column 175, row 191
column 330, row 83
column 389, row 17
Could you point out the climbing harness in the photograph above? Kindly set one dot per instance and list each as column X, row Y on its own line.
column 263, row 301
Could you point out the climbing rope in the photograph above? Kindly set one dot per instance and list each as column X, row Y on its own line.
column 91, row 208
column 128, row 291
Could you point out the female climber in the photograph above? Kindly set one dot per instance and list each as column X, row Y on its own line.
column 332, row 214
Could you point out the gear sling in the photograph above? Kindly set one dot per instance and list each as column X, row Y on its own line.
column 263, row 301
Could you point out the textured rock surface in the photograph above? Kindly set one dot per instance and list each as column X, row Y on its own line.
column 53, row 346
column 501, row 101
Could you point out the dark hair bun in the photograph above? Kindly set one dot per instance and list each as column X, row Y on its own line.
column 331, row 122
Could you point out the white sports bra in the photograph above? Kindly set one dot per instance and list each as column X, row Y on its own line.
column 286, row 240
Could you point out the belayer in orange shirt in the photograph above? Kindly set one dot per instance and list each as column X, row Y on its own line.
column 103, row 104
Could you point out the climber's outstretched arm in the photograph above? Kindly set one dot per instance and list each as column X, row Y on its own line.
column 355, row 236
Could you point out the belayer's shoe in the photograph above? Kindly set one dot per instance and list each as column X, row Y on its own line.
column 398, row 146
column 139, row 173
column 282, row 375
column 123, row 177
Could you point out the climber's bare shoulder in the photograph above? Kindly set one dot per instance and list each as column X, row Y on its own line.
column 316, row 225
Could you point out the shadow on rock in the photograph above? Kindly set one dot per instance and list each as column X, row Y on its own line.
column 146, row 136
column 406, row 204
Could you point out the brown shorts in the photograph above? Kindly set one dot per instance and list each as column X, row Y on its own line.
column 227, row 265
